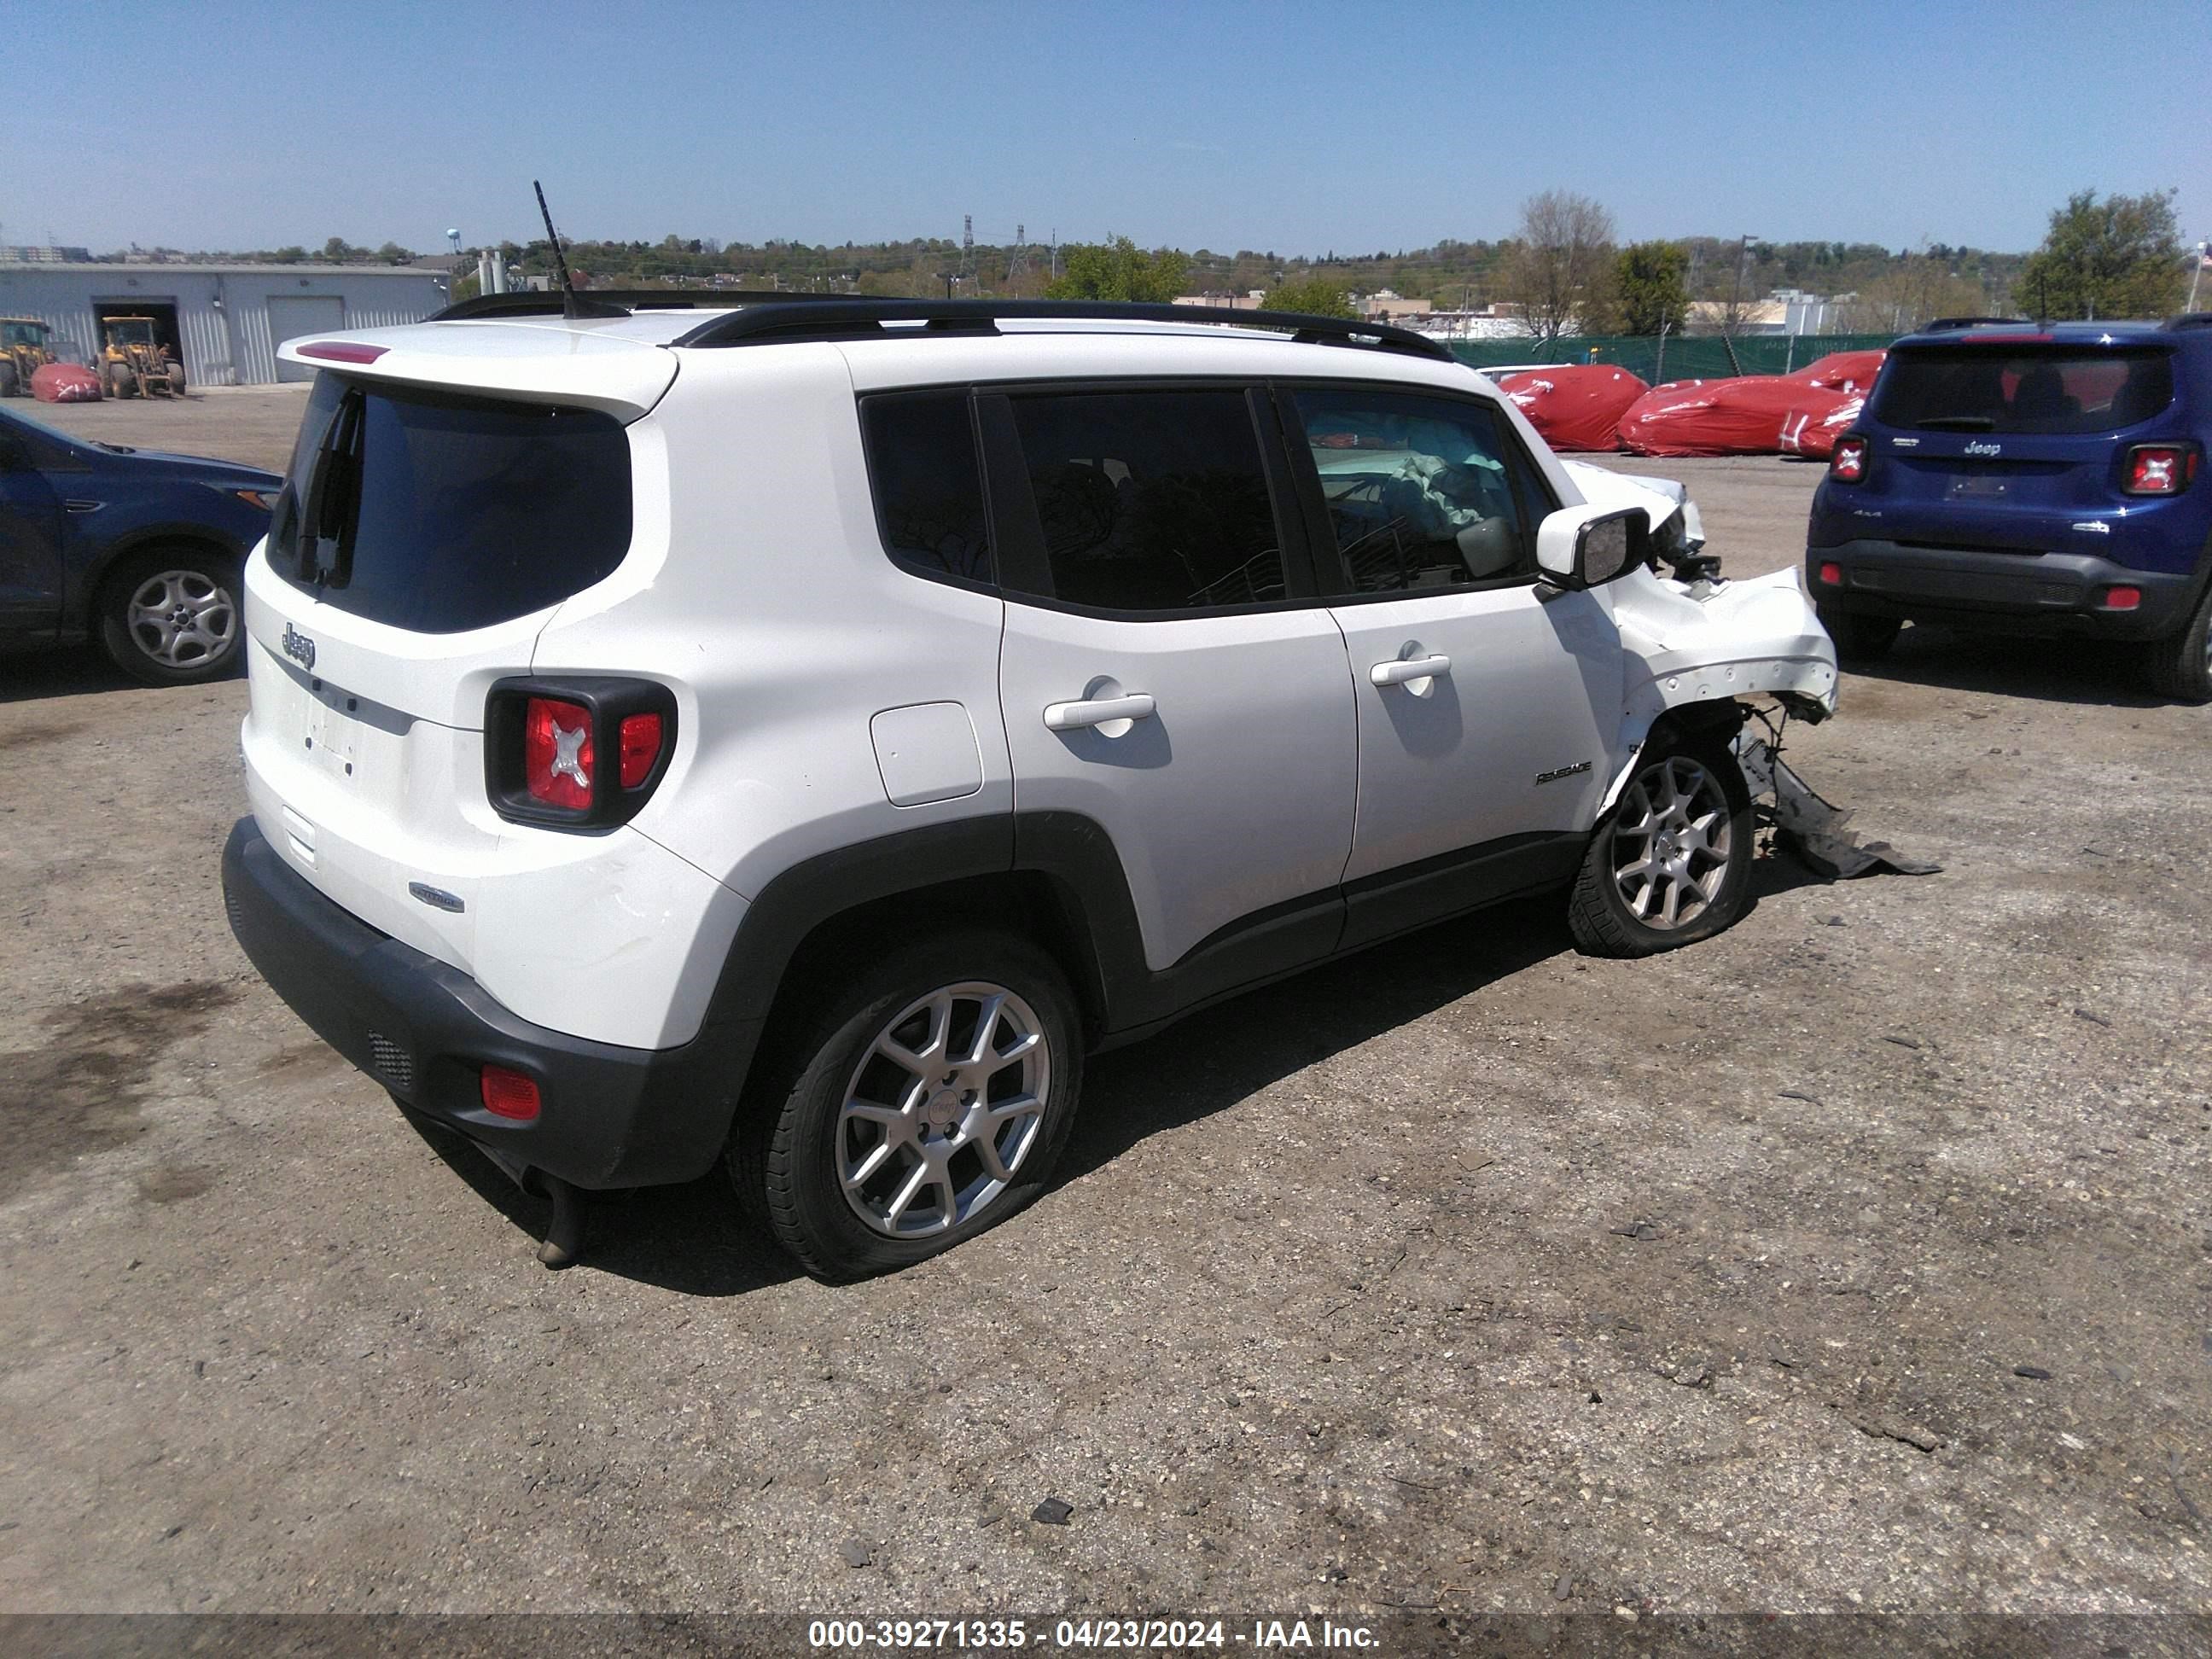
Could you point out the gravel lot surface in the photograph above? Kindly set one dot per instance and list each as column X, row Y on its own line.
column 1858, row 1259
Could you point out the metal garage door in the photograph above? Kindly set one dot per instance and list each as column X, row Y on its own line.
column 291, row 315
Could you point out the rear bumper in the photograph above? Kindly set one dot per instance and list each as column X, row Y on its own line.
column 610, row 1116
column 2037, row 594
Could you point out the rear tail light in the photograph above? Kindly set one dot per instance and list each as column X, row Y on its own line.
column 558, row 755
column 2120, row 598
column 576, row 754
column 508, row 1094
column 2159, row 469
column 1847, row 463
column 1832, row 574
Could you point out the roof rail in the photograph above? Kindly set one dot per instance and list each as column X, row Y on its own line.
column 2189, row 319
column 770, row 318
column 598, row 302
column 1946, row 324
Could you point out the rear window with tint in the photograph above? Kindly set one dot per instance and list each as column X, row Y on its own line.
column 2030, row 389
column 438, row 513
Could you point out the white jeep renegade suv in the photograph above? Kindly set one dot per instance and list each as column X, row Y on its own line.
column 793, row 734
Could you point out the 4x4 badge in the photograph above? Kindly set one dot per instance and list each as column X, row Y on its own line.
column 298, row 647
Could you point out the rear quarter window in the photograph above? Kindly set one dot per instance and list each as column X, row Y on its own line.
column 439, row 514
column 2027, row 390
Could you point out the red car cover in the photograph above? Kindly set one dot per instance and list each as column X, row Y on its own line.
column 1575, row 405
column 1843, row 371
column 64, row 383
column 1745, row 416
column 1808, row 431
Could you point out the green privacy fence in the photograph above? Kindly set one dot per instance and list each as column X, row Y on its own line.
column 1693, row 357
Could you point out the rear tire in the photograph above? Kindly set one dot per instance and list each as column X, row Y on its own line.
column 10, row 379
column 121, row 382
column 176, row 379
column 1860, row 638
column 171, row 616
column 1671, row 864
column 890, row 1124
column 2180, row 666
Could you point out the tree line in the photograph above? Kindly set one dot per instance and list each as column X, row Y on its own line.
column 2121, row 256
column 1563, row 269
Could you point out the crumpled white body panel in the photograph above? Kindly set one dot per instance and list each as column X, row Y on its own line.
column 1755, row 637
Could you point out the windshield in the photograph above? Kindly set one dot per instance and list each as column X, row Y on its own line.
column 440, row 513
column 2031, row 389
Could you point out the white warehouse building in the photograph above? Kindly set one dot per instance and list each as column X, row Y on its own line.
column 226, row 321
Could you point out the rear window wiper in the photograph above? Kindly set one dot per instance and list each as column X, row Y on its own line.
column 1959, row 423
column 333, row 499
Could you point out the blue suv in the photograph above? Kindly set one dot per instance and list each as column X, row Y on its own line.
column 143, row 550
column 2041, row 481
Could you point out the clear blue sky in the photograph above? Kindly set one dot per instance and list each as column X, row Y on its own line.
column 1294, row 128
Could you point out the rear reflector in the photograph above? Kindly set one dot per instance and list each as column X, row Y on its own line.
column 1832, row 574
column 557, row 753
column 509, row 1094
column 640, row 748
column 2120, row 598
column 341, row 351
column 1847, row 461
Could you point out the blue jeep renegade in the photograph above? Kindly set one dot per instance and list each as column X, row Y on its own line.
column 2044, row 481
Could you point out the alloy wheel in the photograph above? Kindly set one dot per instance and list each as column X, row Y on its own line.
column 1672, row 844
column 943, row 1110
column 182, row 619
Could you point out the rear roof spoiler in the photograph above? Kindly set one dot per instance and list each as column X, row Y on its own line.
column 1946, row 324
column 2189, row 319
column 787, row 317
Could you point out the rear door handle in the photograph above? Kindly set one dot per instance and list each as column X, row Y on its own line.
column 1398, row 672
column 1076, row 716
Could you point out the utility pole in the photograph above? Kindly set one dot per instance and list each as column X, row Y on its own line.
column 2204, row 258
column 967, row 246
column 1019, row 265
column 1055, row 253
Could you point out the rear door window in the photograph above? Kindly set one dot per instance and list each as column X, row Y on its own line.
column 2028, row 390
column 1149, row 501
column 439, row 514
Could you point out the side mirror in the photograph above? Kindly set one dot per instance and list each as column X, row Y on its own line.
column 1588, row 546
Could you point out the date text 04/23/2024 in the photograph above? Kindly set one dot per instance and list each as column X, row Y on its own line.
column 860, row 1635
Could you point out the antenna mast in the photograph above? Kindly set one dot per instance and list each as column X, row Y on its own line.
column 568, row 307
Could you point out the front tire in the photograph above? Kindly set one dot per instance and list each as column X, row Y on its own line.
column 170, row 615
column 1858, row 637
column 2180, row 666
column 1671, row 864
column 921, row 1102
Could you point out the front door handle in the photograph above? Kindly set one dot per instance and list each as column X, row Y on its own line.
column 1399, row 671
column 1076, row 716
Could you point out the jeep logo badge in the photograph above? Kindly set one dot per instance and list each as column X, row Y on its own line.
column 298, row 647
column 1986, row 449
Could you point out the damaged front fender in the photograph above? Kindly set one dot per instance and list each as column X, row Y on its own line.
column 1705, row 642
